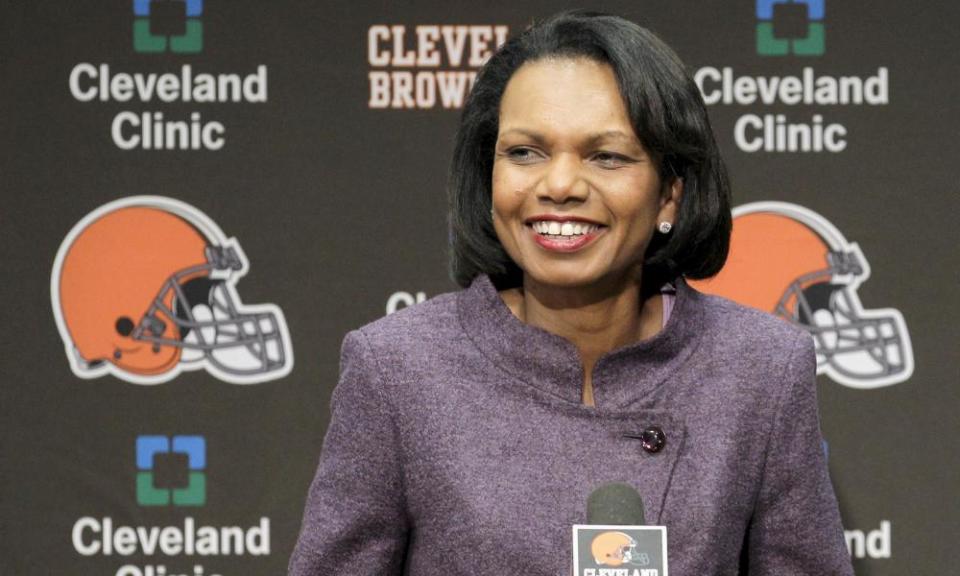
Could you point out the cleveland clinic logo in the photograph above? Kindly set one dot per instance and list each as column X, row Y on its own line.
column 189, row 42
column 810, row 42
column 156, row 107
column 144, row 288
column 171, row 470
column 806, row 117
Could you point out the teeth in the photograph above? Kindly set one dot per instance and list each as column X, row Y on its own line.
column 554, row 228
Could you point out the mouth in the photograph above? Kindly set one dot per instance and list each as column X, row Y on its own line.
column 563, row 229
column 563, row 234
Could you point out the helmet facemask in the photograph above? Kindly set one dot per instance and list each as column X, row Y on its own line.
column 857, row 344
column 860, row 345
column 202, row 304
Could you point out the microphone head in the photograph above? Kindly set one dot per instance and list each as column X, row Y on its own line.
column 615, row 503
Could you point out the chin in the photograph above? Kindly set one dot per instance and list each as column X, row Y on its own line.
column 573, row 278
column 574, row 275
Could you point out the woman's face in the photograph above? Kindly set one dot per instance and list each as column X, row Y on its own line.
column 576, row 196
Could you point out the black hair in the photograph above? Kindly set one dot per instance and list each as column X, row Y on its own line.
column 667, row 113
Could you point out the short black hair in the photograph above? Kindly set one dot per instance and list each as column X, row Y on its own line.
column 667, row 113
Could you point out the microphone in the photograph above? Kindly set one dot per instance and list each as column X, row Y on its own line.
column 616, row 537
column 615, row 503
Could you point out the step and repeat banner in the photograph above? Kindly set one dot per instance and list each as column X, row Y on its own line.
column 200, row 198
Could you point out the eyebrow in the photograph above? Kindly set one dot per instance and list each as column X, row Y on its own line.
column 592, row 139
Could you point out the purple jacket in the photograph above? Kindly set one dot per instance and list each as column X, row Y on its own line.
column 458, row 444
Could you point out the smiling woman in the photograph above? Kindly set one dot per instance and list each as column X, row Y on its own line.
column 646, row 93
column 576, row 197
column 467, row 432
column 567, row 153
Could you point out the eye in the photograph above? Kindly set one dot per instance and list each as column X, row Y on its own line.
column 522, row 155
column 610, row 159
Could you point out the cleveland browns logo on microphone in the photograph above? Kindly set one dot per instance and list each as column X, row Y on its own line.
column 617, row 548
column 145, row 287
column 790, row 261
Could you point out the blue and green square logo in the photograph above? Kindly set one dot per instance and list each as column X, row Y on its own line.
column 171, row 470
column 810, row 43
column 144, row 40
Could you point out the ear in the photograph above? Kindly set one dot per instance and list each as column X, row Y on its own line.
column 670, row 200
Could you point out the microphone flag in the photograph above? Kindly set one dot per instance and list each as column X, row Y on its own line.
column 616, row 542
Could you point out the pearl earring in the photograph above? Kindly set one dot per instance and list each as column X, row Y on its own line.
column 665, row 227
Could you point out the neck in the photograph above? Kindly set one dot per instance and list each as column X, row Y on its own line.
column 596, row 320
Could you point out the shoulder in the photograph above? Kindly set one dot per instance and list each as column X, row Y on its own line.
column 422, row 317
column 415, row 330
column 757, row 342
column 738, row 324
column 752, row 364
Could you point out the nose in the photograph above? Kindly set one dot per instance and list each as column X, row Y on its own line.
column 563, row 181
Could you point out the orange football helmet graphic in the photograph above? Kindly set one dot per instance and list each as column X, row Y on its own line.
column 145, row 287
column 790, row 261
column 613, row 549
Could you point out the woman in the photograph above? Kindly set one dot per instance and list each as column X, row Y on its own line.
column 468, row 432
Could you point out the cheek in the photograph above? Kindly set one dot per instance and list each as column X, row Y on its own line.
column 638, row 198
column 507, row 189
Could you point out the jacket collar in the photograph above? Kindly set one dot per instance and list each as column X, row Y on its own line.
column 622, row 378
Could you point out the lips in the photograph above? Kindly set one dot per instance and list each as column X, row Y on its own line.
column 568, row 235
column 560, row 218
